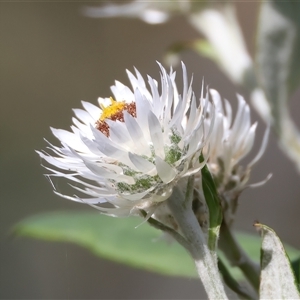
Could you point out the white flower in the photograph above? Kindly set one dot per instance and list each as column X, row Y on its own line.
column 230, row 141
column 129, row 153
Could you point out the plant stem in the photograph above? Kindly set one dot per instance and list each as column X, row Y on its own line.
column 158, row 225
column 233, row 284
column 237, row 256
column 205, row 260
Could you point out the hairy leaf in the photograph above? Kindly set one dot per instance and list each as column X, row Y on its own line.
column 277, row 277
column 278, row 51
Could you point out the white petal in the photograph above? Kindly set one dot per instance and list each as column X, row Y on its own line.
column 122, row 92
column 119, row 134
column 91, row 146
column 137, row 196
column 262, row 148
column 156, row 100
column 141, row 164
column 164, row 170
column 86, row 200
column 92, row 109
column 136, row 134
column 71, row 139
column 84, row 116
column 156, row 135
column 217, row 100
column 98, row 170
column 142, row 111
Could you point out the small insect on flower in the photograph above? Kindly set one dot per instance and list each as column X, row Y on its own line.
column 129, row 153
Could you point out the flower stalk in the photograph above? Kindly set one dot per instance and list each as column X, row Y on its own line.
column 205, row 260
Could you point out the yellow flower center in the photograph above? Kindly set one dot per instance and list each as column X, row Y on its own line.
column 114, row 108
column 114, row 112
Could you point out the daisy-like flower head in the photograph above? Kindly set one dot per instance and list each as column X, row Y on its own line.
column 128, row 153
column 230, row 141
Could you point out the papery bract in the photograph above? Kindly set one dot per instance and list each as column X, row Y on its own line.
column 128, row 154
column 231, row 140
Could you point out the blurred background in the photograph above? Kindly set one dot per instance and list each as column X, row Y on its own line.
column 51, row 57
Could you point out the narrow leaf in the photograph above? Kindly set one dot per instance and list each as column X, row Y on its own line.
column 277, row 278
column 231, row 282
column 214, row 206
column 296, row 268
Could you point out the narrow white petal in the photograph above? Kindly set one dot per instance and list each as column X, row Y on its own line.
column 136, row 134
column 164, row 170
column 137, row 196
column 106, row 191
column 84, row 116
column 228, row 117
column 108, row 148
column 262, row 148
column 69, row 138
column 217, row 100
column 157, row 101
column 92, row 109
column 249, row 140
column 136, row 82
column 141, row 164
column 258, row 184
column 119, row 134
column 100, row 171
column 142, row 111
column 82, row 127
column 156, row 135
column 122, row 92
column 91, row 145
column 86, row 200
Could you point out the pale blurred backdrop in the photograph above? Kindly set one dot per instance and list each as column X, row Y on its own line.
column 51, row 57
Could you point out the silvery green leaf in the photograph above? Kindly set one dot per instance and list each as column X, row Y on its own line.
column 278, row 67
column 220, row 26
column 277, row 277
column 278, row 50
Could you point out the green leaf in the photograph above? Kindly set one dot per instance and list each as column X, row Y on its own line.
column 117, row 239
column 277, row 277
column 296, row 268
column 214, row 206
column 278, row 51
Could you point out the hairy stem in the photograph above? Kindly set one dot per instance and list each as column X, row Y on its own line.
column 158, row 225
column 205, row 260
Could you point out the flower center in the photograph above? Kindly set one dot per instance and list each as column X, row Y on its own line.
column 114, row 108
column 114, row 112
